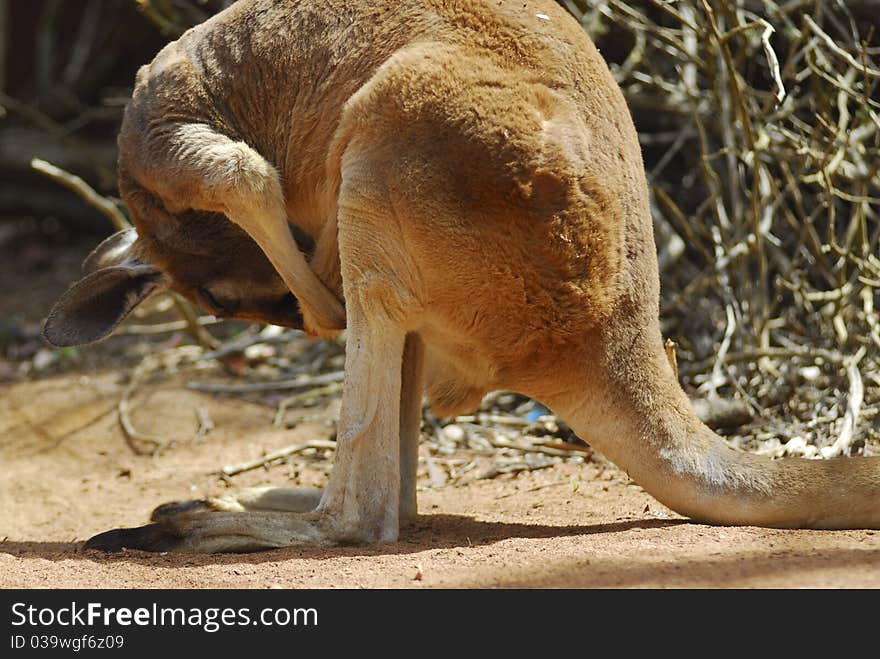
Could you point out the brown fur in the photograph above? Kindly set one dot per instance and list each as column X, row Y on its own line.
column 473, row 185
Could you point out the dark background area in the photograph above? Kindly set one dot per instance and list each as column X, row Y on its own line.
column 66, row 72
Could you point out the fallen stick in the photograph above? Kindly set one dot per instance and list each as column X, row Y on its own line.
column 533, row 448
column 266, row 460
column 567, row 446
column 85, row 191
column 165, row 328
column 133, row 436
column 305, row 397
column 196, row 329
column 295, row 383
column 498, row 469
column 717, row 412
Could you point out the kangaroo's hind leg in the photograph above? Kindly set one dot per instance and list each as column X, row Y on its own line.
column 302, row 500
column 411, row 391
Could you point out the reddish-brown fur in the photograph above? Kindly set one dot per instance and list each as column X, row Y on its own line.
column 473, row 185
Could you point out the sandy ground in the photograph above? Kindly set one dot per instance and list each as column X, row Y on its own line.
column 67, row 472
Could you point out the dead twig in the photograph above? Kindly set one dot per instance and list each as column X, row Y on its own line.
column 86, row 192
column 165, row 328
column 305, row 397
column 279, row 385
column 134, row 437
column 809, row 353
column 527, row 447
column 837, row 50
column 266, row 460
column 193, row 326
column 845, row 439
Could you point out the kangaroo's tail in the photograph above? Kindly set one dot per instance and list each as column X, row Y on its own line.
column 634, row 411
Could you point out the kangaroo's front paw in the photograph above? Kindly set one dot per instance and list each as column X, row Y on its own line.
column 322, row 325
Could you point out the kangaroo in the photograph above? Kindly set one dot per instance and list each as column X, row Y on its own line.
column 459, row 184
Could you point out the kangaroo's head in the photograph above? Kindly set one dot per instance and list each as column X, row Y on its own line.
column 201, row 255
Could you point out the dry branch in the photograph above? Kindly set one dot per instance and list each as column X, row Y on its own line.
column 295, row 383
column 85, row 191
column 141, row 443
column 274, row 456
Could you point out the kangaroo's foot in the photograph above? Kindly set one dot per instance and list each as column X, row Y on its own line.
column 279, row 499
column 177, row 525
column 208, row 532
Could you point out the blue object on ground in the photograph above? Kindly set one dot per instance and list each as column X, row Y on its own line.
column 537, row 413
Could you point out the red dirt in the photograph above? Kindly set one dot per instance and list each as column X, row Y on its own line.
column 68, row 473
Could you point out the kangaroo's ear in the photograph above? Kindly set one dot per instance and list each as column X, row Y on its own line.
column 112, row 251
column 95, row 305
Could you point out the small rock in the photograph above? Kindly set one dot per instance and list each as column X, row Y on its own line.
column 453, row 433
column 44, row 358
column 810, row 373
column 259, row 351
column 798, row 446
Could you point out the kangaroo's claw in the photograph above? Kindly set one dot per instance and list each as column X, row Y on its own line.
column 152, row 537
